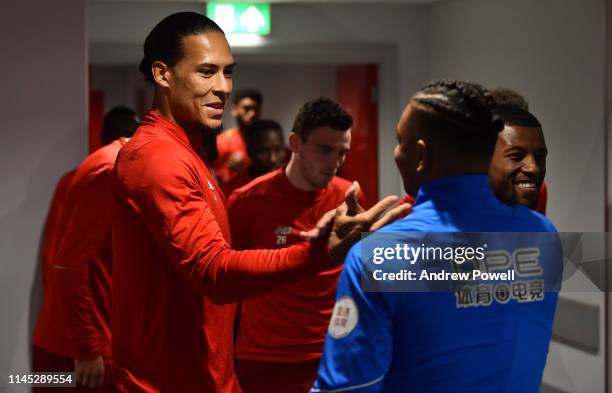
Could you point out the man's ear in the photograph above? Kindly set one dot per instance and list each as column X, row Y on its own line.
column 423, row 153
column 161, row 73
column 294, row 142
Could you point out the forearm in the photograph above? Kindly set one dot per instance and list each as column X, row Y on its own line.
column 232, row 276
column 79, row 324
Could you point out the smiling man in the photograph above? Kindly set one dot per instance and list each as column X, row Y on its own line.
column 518, row 165
column 416, row 341
column 175, row 276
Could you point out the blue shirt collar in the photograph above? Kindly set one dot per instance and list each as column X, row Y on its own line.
column 455, row 190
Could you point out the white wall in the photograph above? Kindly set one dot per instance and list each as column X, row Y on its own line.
column 552, row 51
column 121, row 85
column 43, row 105
column 391, row 35
column 285, row 87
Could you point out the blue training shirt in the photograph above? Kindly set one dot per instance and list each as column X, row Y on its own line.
column 434, row 341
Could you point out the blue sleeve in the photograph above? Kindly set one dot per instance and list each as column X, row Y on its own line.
column 359, row 341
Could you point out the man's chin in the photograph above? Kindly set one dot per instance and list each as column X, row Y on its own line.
column 211, row 128
column 215, row 129
column 530, row 200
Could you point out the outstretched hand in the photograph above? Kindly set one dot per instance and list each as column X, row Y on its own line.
column 351, row 219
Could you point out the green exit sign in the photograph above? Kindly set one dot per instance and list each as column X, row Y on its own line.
column 240, row 17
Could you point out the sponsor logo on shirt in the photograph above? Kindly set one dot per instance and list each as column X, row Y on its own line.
column 344, row 318
column 281, row 234
column 526, row 265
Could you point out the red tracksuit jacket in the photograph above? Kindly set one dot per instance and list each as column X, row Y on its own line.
column 174, row 275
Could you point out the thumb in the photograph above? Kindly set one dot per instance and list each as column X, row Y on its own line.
column 350, row 197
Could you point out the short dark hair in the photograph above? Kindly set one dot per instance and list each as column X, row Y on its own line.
column 516, row 116
column 164, row 42
column 508, row 97
column 321, row 112
column 119, row 122
column 247, row 93
column 460, row 113
column 258, row 127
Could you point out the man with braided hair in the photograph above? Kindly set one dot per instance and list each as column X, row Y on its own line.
column 518, row 165
column 381, row 340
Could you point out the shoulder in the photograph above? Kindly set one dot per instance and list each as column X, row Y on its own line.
column 156, row 163
column 227, row 135
column 103, row 158
column 340, row 183
column 66, row 179
column 518, row 218
column 537, row 220
column 353, row 262
column 99, row 163
column 261, row 186
column 158, row 153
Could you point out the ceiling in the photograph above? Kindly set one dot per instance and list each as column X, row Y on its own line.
column 278, row 1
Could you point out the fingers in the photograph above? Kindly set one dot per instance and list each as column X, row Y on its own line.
column 341, row 210
column 351, row 199
column 311, row 234
column 98, row 379
column 80, row 377
column 376, row 210
column 90, row 373
column 325, row 223
column 323, row 226
column 392, row 215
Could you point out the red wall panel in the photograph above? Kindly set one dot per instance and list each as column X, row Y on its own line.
column 356, row 90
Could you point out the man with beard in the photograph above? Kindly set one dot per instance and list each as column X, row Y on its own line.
column 175, row 277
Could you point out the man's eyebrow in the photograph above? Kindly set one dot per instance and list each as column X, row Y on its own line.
column 514, row 147
column 232, row 65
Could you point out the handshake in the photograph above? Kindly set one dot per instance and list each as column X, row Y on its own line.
column 344, row 224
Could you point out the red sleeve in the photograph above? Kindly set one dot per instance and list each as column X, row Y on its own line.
column 87, row 228
column 54, row 222
column 168, row 197
column 239, row 219
column 406, row 199
column 542, row 199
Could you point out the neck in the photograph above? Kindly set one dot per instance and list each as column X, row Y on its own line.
column 295, row 176
column 160, row 104
column 459, row 171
